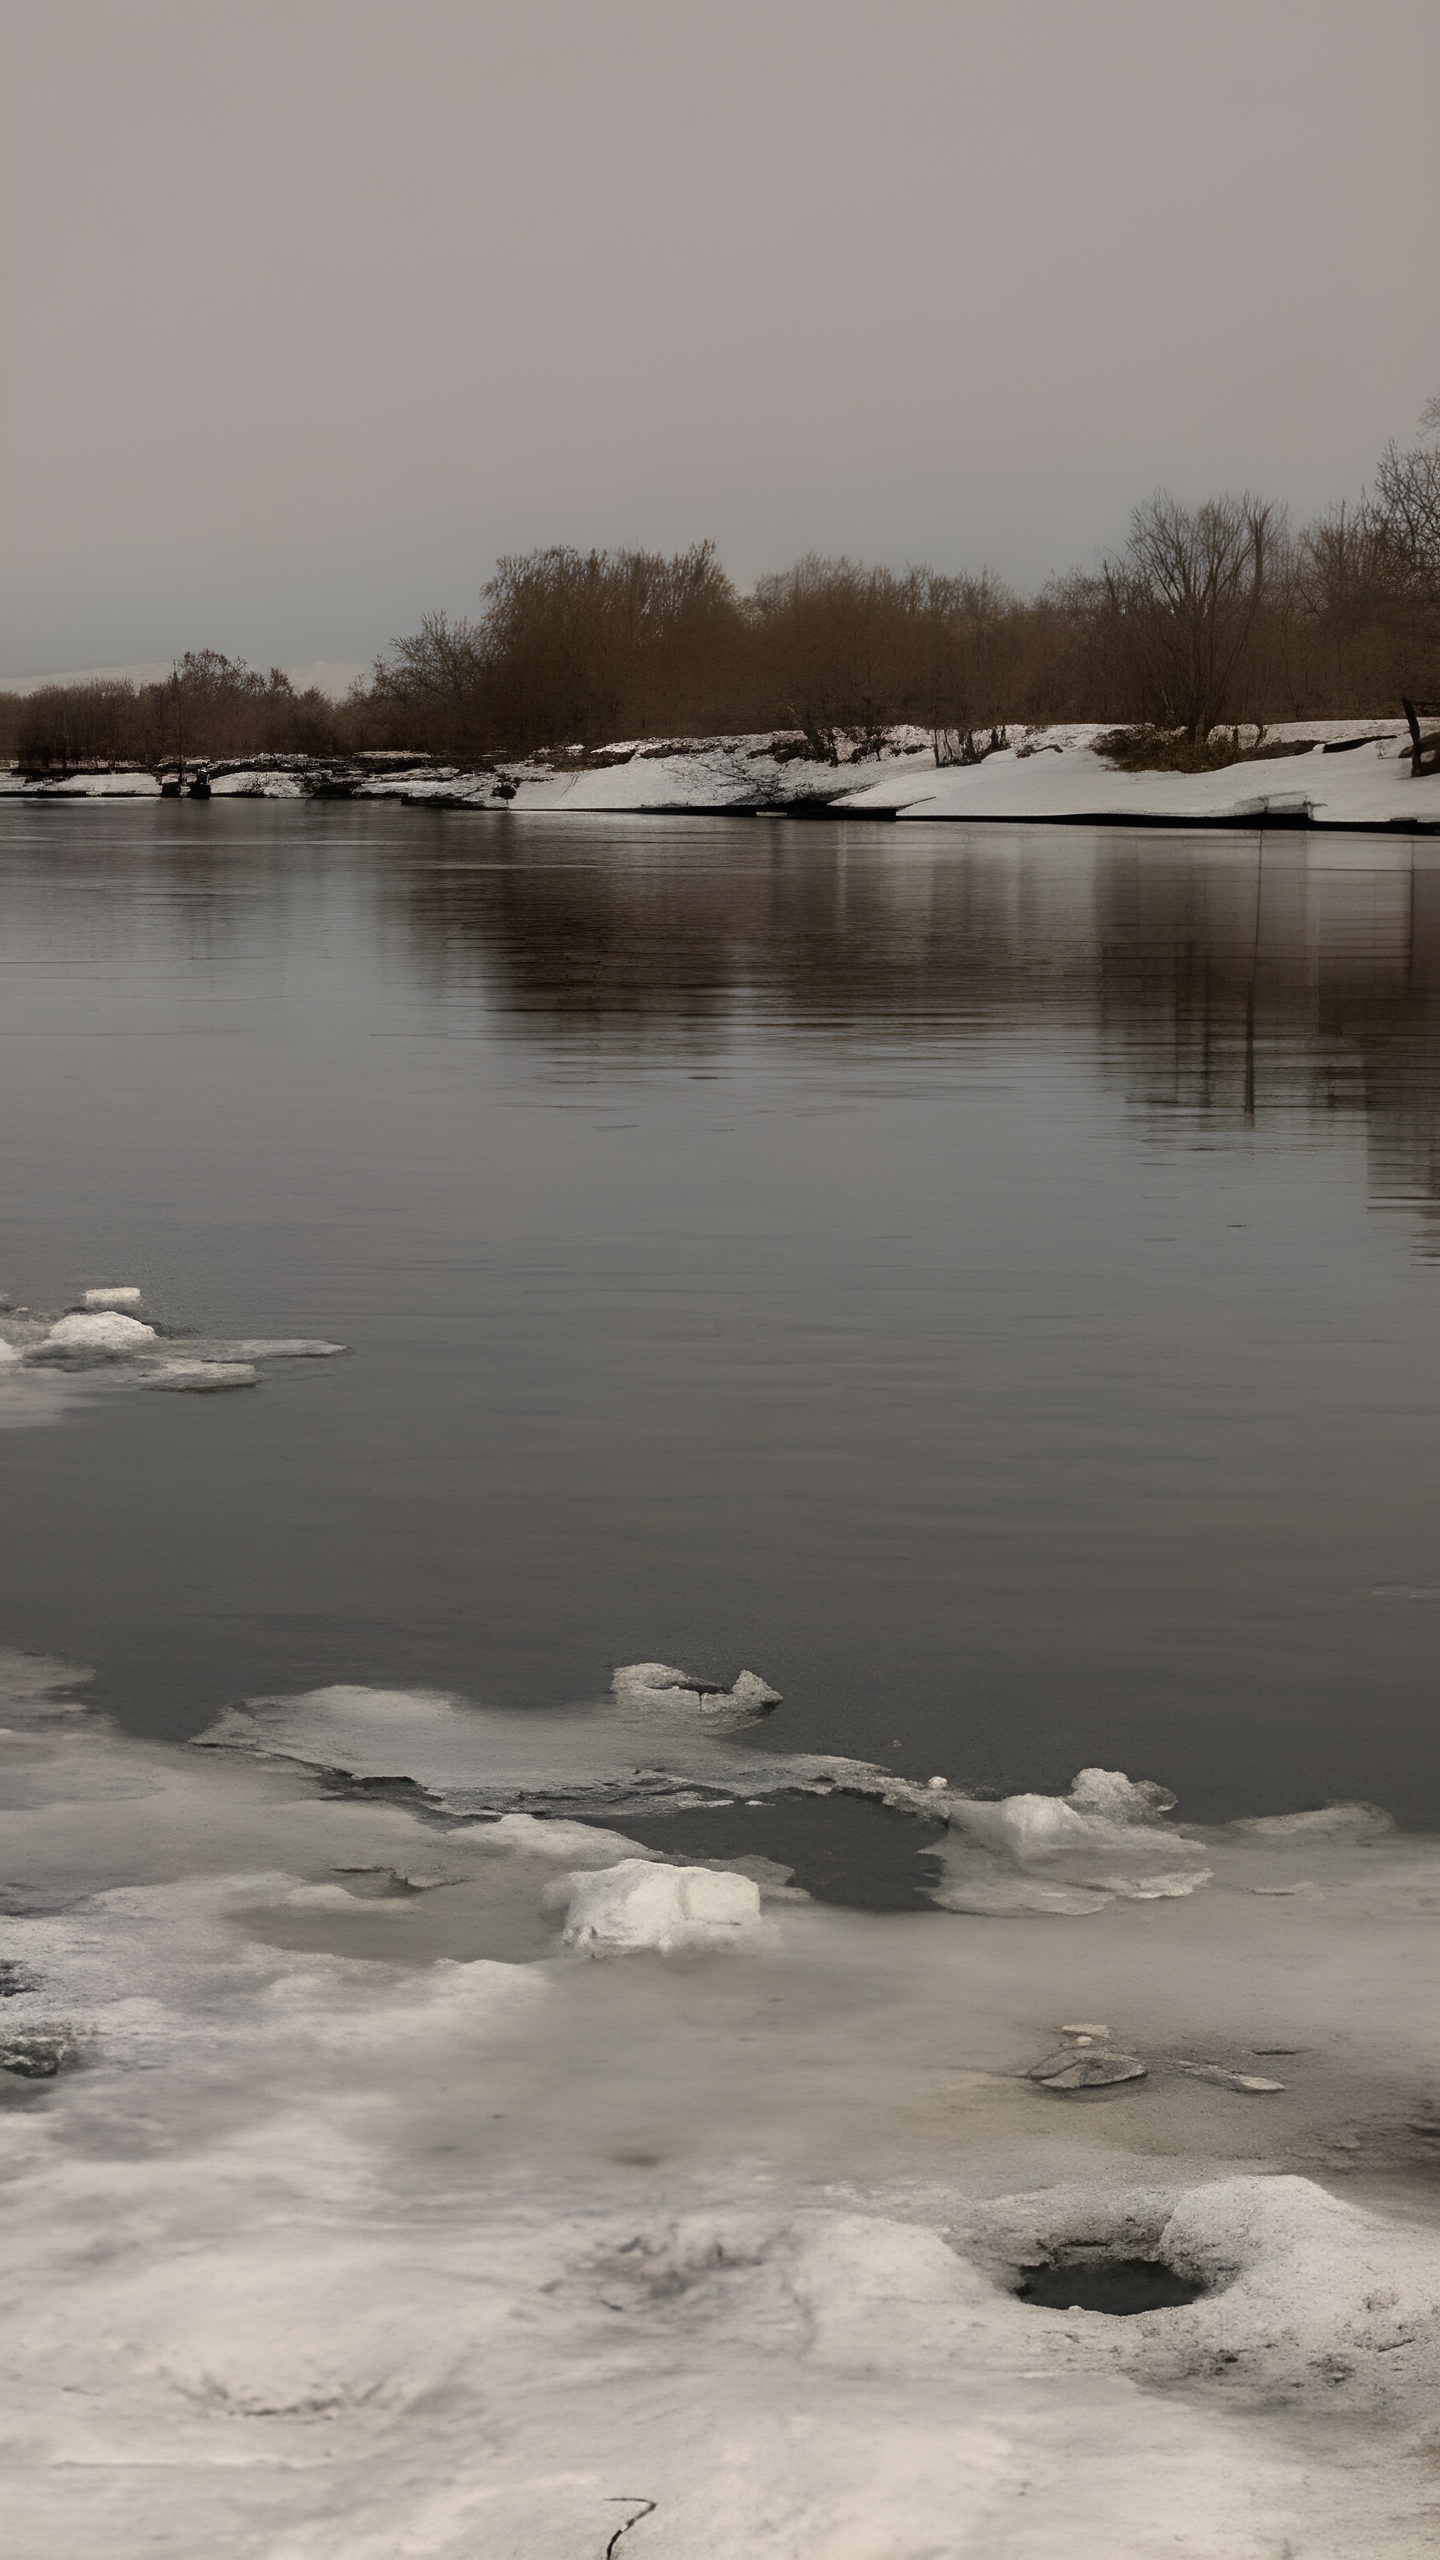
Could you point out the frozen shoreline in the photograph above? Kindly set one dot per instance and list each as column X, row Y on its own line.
column 1355, row 776
column 368, row 2219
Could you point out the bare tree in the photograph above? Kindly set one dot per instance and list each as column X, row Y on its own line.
column 431, row 686
column 1185, row 598
column 1407, row 501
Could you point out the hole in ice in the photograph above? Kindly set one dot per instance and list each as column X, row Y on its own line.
column 845, row 1849
column 1088, row 2280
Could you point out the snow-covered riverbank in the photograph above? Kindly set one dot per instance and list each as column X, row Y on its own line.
column 1345, row 774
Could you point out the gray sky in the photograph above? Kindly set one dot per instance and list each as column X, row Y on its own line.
column 311, row 307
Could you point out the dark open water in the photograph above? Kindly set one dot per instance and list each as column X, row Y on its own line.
column 985, row 1282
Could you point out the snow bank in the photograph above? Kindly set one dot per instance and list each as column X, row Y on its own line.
column 635, row 1906
column 96, row 786
column 1051, row 774
column 1065, row 781
column 263, row 783
column 1348, row 774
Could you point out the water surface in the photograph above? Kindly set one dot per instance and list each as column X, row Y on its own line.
column 984, row 1281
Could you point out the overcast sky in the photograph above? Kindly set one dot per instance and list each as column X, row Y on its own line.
column 312, row 307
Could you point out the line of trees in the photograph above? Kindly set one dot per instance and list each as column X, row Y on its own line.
column 210, row 706
column 1211, row 614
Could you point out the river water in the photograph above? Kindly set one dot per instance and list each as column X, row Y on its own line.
column 984, row 1281
column 983, row 1284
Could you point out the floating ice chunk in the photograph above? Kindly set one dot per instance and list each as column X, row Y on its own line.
column 102, row 1335
column 1066, row 1854
column 1328, row 1822
column 753, row 1692
column 113, row 1298
column 1024, row 1826
column 204, row 1377
column 299, row 1350
column 1118, row 1798
column 636, row 1905
column 646, row 1684
column 660, row 1685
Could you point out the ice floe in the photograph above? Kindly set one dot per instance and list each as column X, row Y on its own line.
column 47, row 1362
column 670, row 1740
column 1325, row 1822
column 1067, row 1855
column 203, row 1377
column 659, row 1684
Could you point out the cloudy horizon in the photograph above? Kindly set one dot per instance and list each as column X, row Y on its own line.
column 318, row 308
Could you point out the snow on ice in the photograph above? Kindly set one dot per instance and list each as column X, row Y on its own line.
column 47, row 1362
column 637, row 1905
column 356, row 2217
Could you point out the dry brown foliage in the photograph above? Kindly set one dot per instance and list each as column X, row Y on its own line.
column 1210, row 617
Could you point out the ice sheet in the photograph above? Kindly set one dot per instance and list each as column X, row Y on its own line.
column 350, row 2232
column 666, row 1739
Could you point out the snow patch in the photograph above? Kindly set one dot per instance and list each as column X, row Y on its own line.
column 105, row 1336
